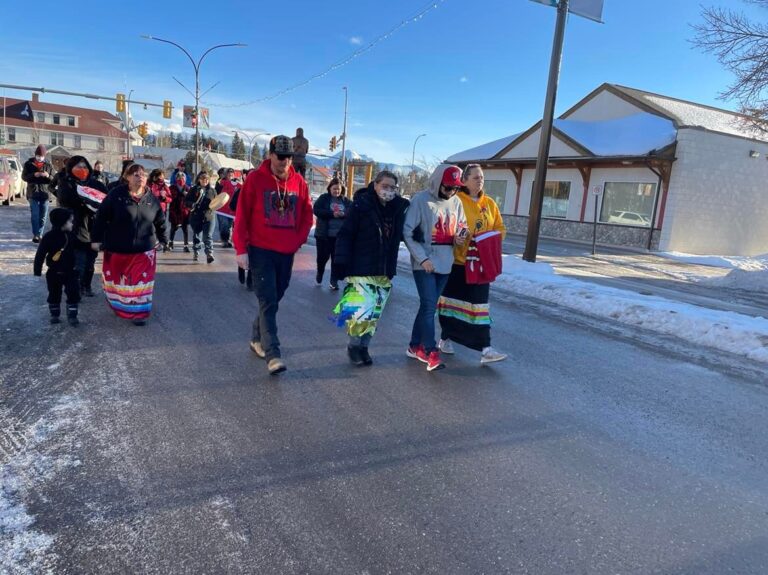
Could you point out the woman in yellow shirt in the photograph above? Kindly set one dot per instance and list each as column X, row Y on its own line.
column 463, row 308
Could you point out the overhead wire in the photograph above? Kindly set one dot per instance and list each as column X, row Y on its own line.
column 433, row 4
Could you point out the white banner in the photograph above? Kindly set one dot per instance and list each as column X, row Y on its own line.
column 592, row 9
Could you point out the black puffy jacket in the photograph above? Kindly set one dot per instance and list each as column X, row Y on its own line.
column 362, row 248
column 125, row 226
column 38, row 187
column 84, row 210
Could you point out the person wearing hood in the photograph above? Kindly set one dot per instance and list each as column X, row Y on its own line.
column 366, row 255
column 272, row 221
column 201, row 216
column 463, row 308
column 434, row 224
column 181, row 168
column 57, row 250
column 300, row 151
column 78, row 172
column 38, row 174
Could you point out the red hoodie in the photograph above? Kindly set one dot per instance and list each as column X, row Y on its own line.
column 272, row 214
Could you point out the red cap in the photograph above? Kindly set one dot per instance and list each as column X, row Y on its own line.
column 452, row 177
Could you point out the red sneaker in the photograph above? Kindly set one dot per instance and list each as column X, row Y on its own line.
column 434, row 362
column 417, row 353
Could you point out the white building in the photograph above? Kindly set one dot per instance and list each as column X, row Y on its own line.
column 700, row 174
column 69, row 130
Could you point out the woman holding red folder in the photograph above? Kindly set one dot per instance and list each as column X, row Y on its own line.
column 463, row 307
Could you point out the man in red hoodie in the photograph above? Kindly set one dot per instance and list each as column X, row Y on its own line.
column 272, row 221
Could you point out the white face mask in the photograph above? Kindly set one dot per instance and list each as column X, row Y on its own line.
column 39, row 158
column 386, row 195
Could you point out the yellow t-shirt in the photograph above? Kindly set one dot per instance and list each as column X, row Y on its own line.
column 482, row 216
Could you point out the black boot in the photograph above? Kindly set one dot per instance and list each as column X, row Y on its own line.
column 365, row 356
column 319, row 277
column 55, row 310
column 353, row 351
column 72, row 315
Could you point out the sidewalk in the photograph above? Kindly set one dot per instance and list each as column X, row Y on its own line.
column 645, row 273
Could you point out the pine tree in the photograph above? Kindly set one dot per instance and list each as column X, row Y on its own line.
column 238, row 148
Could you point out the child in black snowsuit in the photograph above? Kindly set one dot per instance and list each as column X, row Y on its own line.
column 57, row 249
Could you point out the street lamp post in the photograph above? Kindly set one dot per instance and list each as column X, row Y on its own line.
column 413, row 157
column 250, row 143
column 344, row 140
column 196, row 66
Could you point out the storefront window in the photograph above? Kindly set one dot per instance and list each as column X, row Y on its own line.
column 555, row 204
column 496, row 190
column 628, row 203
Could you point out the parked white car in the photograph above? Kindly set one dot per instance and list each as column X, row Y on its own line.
column 11, row 184
column 629, row 218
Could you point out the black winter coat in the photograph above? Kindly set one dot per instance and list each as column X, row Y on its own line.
column 52, row 243
column 102, row 178
column 38, row 187
column 361, row 246
column 125, row 226
column 67, row 196
column 324, row 213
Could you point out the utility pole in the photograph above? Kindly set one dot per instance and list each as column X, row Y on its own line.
column 344, row 140
column 537, row 196
column 196, row 66
column 413, row 160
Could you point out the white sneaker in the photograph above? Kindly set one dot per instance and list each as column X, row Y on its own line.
column 446, row 346
column 490, row 355
column 257, row 349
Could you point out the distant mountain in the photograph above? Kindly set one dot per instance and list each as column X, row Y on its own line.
column 329, row 162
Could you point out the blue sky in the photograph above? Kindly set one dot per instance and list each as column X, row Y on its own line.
column 464, row 74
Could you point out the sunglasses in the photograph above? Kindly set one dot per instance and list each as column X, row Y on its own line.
column 452, row 188
column 283, row 157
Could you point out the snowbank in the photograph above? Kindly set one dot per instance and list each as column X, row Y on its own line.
column 749, row 274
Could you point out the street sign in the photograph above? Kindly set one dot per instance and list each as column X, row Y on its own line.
column 592, row 9
column 597, row 190
column 191, row 120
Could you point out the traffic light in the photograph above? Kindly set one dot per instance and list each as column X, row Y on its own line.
column 120, row 102
column 332, row 144
column 143, row 130
column 167, row 108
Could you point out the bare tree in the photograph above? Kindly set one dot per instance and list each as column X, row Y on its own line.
column 741, row 46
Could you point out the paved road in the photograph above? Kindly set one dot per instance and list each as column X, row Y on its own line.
column 168, row 449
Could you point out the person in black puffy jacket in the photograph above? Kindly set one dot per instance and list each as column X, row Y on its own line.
column 57, row 250
column 366, row 255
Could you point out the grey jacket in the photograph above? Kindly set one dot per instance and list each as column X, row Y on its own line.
column 431, row 224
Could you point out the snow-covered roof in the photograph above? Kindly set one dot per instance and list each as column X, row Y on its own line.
column 634, row 135
column 691, row 114
column 483, row 152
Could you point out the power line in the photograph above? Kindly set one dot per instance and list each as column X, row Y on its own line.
column 434, row 4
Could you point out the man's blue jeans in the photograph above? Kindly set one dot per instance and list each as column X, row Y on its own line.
column 225, row 227
column 429, row 286
column 207, row 238
column 39, row 210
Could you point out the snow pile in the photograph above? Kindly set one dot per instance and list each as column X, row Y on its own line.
column 726, row 331
column 748, row 273
column 24, row 549
column 485, row 151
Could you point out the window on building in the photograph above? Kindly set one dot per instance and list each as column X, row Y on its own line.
column 11, row 134
column 40, row 117
column 556, row 195
column 497, row 190
column 78, row 142
column 56, row 119
column 102, row 145
column 71, row 121
column 628, row 203
column 57, row 139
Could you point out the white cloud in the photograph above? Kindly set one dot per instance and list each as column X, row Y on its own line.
column 463, row 79
column 356, row 40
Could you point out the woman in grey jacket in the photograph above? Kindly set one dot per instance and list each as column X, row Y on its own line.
column 433, row 224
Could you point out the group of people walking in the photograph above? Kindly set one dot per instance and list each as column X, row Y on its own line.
column 273, row 216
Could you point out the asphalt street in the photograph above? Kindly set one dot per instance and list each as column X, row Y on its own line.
column 169, row 449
